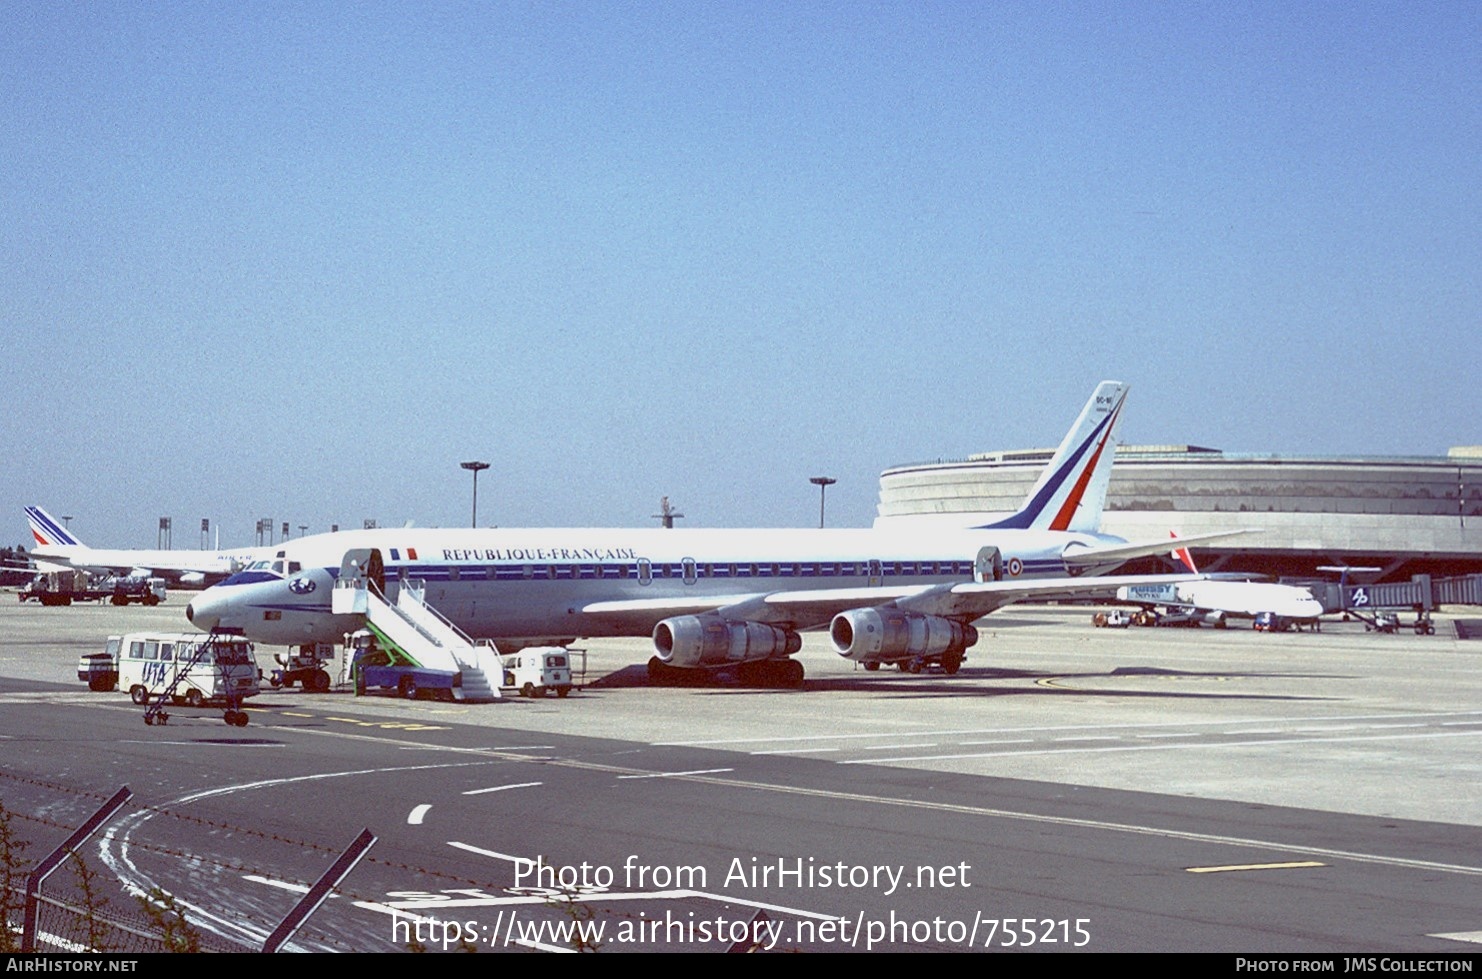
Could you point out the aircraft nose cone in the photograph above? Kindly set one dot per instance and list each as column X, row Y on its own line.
column 202, row 614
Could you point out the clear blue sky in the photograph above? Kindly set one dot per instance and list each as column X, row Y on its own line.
column 298, row 260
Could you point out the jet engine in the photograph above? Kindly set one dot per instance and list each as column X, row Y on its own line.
column 868, row 635
column 709, row 640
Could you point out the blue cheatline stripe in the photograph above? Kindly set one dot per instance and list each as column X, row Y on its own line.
column 749, row 570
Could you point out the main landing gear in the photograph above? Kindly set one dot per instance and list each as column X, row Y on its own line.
column 949, row 663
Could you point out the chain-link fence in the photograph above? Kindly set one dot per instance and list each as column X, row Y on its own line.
column 62, row 926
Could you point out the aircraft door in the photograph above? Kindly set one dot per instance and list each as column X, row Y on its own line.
column 375, row 570
column 364, row 564
column 989, row 565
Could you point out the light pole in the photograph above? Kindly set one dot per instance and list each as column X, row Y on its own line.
column 823, row 483
column 475, row 468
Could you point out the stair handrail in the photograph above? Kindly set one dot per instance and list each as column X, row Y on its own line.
column 421, row 630
column 420, row 597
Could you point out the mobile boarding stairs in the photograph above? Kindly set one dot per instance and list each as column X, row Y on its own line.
column 413, row 628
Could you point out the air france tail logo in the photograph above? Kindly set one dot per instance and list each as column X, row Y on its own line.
column 46, row 530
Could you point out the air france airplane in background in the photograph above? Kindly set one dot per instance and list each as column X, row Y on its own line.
column 715, row 599
column 57, row 550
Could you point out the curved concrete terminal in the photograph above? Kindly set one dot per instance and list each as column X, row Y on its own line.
column 1407, row 515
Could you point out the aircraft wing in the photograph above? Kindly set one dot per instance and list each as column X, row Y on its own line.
column 809, row 609
column 973, row 599
column 47, row 562
column 798, row 609
column 124, row 563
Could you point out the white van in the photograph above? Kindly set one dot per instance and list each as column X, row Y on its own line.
column 223, row 673
column 537, row 669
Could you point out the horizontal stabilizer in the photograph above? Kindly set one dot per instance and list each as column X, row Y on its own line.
column 1099, row 554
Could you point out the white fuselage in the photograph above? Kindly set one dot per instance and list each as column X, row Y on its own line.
column 1245, row 599
column 553, row 584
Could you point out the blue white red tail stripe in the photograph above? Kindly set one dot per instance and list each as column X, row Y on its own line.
column 1072, row 502
column 1182, row 555
column 1071, row 493
column 47, row 531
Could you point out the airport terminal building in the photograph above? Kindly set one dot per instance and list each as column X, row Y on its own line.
column 1406, row 515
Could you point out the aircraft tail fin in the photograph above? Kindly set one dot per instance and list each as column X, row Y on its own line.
column 48, row 531
column 1182, row 555
column 1071, row 492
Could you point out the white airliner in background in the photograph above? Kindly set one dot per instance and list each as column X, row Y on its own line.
column 1273, row 607
column 715, row 599
column 57, row 550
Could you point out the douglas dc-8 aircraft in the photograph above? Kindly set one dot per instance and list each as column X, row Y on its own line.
column 57, row 550
column 716, row 599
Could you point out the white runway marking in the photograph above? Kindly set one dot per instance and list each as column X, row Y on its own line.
column 699, row 771
column 281, row 884
column 485, row 853
column 114, row 850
